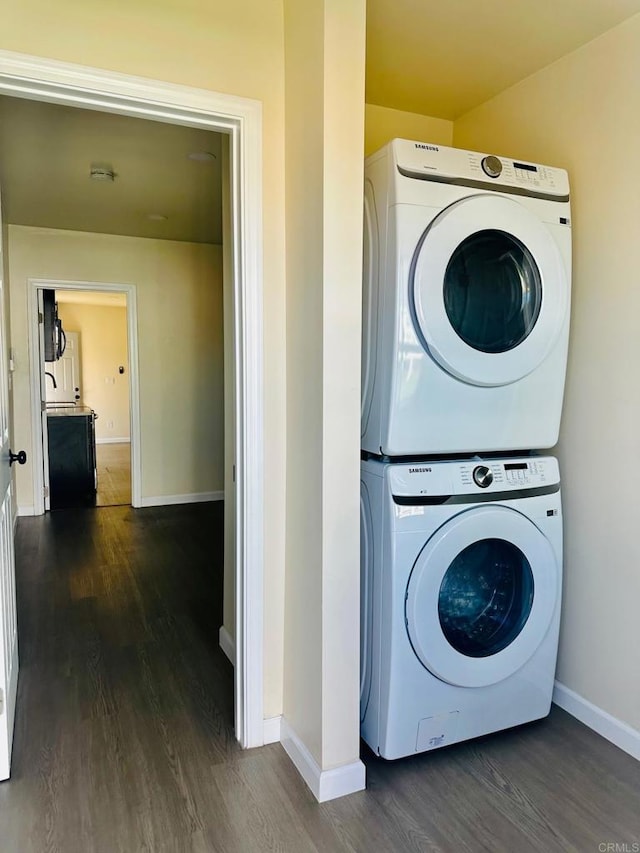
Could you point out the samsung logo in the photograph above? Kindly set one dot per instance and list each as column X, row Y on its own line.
column 419, row 470
column 426, row 147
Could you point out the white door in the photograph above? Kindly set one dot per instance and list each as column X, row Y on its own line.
column 8, row 620
column 490, row 290
column 66, row 373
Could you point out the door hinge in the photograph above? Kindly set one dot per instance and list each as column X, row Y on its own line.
column 45, row 491
column 1, row 702
column 40, row 317
column 43, row 406
column 234, row 473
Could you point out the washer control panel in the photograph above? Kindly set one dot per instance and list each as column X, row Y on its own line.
column 472, row 477
column 507, row 474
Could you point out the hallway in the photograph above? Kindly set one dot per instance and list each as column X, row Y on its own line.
column 124, row 695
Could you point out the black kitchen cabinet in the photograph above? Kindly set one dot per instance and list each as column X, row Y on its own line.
column 72, row 456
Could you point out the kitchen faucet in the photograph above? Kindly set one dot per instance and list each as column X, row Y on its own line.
column 53, row 379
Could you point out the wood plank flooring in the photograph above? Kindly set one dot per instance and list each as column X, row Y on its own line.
column 113, row 463
column 124, row 737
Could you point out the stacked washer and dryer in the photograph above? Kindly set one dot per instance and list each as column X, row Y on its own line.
column 466, row 292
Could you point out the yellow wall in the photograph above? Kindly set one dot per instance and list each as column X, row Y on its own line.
column 382, row 124
column 324, row 47
column 102, row 344
column 179, row 294
column 582, row 113
column 237, row 48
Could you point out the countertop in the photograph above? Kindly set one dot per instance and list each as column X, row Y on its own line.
column 69, row 411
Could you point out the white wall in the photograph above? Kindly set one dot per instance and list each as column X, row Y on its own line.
column 102, row 349
column 179, row 292
column 324, row 49
column 382, row 124
column 582, row 113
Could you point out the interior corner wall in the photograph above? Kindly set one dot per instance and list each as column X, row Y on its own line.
column 324, row 109
column 102, row 339
column 582, row 113
column 180, row 346
column 237, row 48
column 382, row 124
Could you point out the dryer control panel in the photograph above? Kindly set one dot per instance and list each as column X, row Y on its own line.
column 475, row 476
column 476, row 169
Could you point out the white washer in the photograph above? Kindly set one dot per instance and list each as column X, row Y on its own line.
column 461, row 588
column 466, row 292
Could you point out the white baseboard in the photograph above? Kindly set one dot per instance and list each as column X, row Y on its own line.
column 26, row 510
column 124, row 440
column 272, row 728
column 169, row 500
column 621, row 734
column 324, row 784
column 227, row 644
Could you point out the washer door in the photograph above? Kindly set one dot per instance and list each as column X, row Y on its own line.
column 489, row 290
column 481, row 596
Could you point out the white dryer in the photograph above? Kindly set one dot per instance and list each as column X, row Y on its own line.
column 466, row 293
column 461, row 588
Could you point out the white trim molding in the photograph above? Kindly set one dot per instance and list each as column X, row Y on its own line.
column 324, row 784
column 170, row 500
column 123, row 440
column 41, row 79
column 227, row 644
column 272, row 729
column 611, row 728
column 26, row 511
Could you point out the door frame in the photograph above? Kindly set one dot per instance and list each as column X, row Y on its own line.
column 35, row 365
column 41, row 79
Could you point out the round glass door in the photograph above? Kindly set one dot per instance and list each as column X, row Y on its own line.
column 481, row 596
column 492, row 291
column 485, row 597
column 488, row 303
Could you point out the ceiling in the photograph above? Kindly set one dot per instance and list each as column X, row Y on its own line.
column 46, row 152
column 443, row 58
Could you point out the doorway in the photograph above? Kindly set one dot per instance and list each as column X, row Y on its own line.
column 240, row 119
column 88, row 388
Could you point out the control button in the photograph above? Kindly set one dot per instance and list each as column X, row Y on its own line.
column 492, row 166
column 482, row 476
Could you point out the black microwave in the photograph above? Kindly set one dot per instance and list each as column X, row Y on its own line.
column 55, row 340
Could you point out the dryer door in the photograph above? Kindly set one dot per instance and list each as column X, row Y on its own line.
column 489, row 289
column 481, row 596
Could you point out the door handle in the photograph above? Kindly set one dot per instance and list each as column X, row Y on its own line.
column 20, row 457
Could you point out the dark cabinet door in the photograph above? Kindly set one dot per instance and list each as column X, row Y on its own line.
column 71, row 460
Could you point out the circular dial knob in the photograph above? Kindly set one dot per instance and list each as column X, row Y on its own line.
column 482, row 476
column 492, row 166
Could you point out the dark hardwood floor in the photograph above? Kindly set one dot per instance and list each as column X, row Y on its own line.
column 124, row 737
